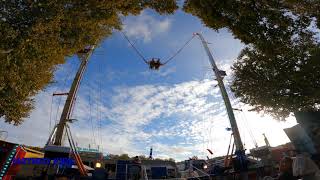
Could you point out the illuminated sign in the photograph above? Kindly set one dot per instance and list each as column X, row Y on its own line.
column 7, row 163
column 79, row 149
column 44, row 161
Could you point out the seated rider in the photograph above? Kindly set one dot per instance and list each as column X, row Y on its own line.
column 155, row 63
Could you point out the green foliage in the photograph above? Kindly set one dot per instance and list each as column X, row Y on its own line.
column 171, row 159
column 36, row 36
column 124, row 157
column 282, row 83
column 278, row 71
column 263, row 23
column 141, row 157
column 119, row 157
column 309, row 8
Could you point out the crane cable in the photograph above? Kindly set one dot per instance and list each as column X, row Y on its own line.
column 250, row 131
column 244, row 119
column 50, row 117
column 99, row 111
column 145, row 60
column 91, row 122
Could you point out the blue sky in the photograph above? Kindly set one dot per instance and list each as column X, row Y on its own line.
column 124, row 107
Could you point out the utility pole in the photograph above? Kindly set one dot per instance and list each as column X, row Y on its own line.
column 150, row 155
column 233, row 123
column 84, row 56
column 266, row 140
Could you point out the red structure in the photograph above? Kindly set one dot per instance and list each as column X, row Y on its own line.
column 278, row 152
column 9, row 152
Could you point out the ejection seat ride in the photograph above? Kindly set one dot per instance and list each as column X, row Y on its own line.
column 155, row 63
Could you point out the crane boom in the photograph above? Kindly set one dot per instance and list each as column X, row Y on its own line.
column 84, row 56
column 233, row 123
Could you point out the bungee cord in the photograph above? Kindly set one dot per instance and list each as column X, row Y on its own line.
column 134, row 48
column 155, row 63
column 179, row 50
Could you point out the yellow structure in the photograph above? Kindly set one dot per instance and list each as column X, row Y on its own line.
column 30, row 153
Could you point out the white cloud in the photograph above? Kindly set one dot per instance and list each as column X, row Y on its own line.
column 179, row 121
column 163, row 72
column 35, row 130
column 145, row 26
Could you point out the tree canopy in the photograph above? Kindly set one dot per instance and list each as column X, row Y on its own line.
column 36, row 36
column 141, row 157
column 277, row 72
column 262, row 23
column 282, row 83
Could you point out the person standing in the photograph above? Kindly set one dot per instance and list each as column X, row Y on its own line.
column 286, row 172
column 305, row 168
